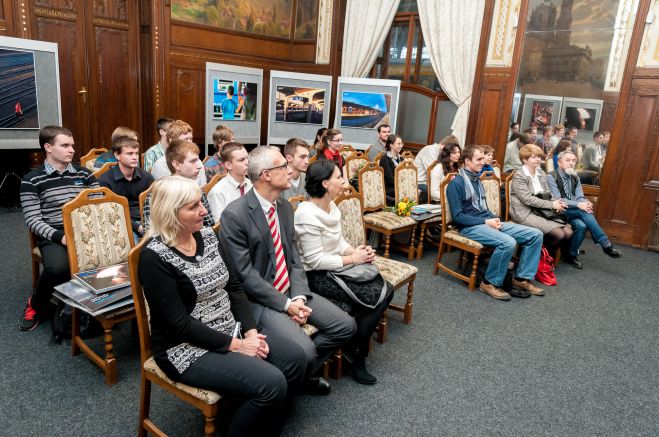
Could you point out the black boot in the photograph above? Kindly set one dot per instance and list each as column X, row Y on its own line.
column 357, row 365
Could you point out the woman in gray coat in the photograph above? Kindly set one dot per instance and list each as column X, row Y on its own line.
column 529, row 182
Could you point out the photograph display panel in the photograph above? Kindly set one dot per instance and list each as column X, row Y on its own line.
column 297, row 106
column 540, row 111
column 18, row 90
column 233, row 99
column 300, row 105
column 29, row 91
column 584, row 114
column 364, row 104
column 365, row 110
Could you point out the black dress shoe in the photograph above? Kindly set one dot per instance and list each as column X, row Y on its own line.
column 581, row 252
column 317, row 386
column 612, row 251
column 519, row 292
column 574, row 262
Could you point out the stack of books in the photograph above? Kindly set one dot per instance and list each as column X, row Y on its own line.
column 98, row 291
column 425, row 211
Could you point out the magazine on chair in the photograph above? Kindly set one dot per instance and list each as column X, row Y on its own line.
column 91, row 303
column 103, row 279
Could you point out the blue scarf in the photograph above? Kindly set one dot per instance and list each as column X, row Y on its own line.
column 477, row 200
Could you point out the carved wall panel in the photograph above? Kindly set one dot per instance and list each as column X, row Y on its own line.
column 649, row 54
column 503, row 33
column 627, row 211
column 72, row 61
column 65, row 5
column 491, row 127
column 188, row 98
column 114, row 90
column 6, row 18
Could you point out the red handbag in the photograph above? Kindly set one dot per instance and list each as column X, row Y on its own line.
column 545, row 274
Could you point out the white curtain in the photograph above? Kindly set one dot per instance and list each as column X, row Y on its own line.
column 451, row 30
column 366, row 26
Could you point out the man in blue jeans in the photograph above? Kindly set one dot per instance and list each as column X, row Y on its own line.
column 466, row 198
column 564, row 183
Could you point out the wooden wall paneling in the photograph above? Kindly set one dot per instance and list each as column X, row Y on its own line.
column 495, row 83
column 148, row 134
column 491, row 126
column 62, row 23
column 608, row 110
column 478, row 75
column 6, row 18
column 623, row 146
column 188, row 98
column 113, row 45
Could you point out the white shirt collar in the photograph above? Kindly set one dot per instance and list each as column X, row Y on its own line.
column 265, row 204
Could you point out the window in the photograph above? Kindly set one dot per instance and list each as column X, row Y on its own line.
column 404, row 55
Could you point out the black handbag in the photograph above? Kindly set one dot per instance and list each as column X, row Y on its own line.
column 548, row 214
column 359, row 275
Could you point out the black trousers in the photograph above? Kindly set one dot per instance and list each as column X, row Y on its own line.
column 259, row 386
column 55, row 271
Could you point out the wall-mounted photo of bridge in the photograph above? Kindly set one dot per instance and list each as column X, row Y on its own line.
column 18, row 90
column 300, row 105
column 365, row 110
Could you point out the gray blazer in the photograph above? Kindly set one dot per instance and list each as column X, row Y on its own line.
column 248, row 251
column 522, row 198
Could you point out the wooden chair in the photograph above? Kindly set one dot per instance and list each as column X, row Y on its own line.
column 35, row 254
column 142, row 199
column 88, row 159
column 388, row 223
column 346, row 150
column 214, row 180
column 313, row 159
column 407, row 155
column 395, row 272
column 106, row 167
column 406, row 186
column 368, row 149
column 204, row 400
column 430, row 181
column 354, row 163
column 452, row 238
column 295, row 200
column 507, row 181
column 206, row 159
column 378, row 157
column 98, row 233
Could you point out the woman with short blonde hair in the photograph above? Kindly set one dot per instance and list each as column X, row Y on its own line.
column 199, row 312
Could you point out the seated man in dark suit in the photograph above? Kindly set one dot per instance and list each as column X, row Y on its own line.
column 257, row 245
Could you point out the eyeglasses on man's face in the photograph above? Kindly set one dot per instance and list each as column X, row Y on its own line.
column 284, row 165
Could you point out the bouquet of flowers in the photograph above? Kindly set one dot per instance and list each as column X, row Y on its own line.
column 404, row 207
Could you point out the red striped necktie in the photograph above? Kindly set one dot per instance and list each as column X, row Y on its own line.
column 281, row 272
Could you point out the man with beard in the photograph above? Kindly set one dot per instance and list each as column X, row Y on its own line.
column 565, row 184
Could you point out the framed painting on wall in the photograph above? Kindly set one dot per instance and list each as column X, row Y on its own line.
column 540, row 111
column 269, row 18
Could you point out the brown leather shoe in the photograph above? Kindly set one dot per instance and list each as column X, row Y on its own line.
column 493, row 291
column 528, row 286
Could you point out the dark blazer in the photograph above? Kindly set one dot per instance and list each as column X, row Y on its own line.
column 389, row 167
column 249, row 253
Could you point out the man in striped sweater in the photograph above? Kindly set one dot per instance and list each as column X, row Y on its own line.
column 44, row 191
